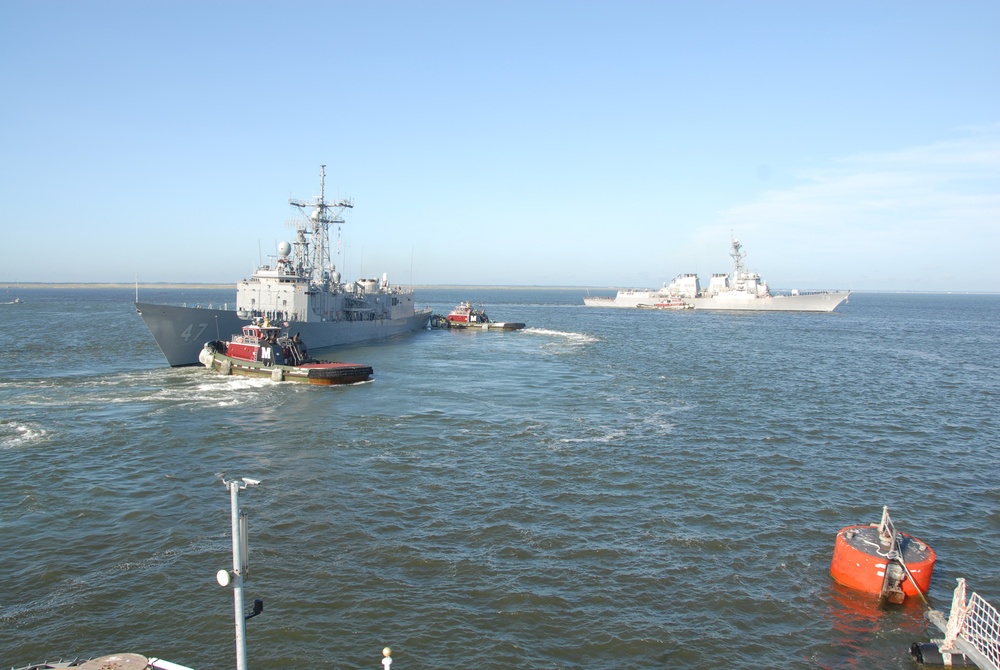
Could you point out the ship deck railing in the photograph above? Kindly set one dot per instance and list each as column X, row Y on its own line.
column 972, row 628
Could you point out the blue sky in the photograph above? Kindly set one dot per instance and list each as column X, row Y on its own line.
column 847, row 145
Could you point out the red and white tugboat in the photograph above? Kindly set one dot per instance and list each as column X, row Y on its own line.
column 263, row 351
column 465, row 316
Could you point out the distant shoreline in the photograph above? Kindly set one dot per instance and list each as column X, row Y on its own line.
column 27, row 286
column 176, row 285
column 75, row 285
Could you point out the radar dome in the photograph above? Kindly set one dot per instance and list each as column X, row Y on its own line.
column 284, row 248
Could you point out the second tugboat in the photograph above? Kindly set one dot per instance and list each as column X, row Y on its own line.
column 263, row 351
column 667, row 303
column 464, row 316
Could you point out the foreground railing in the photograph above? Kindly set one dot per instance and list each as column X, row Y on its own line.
column 972, row 629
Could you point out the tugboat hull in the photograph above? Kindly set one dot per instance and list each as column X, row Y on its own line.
column 325, row 373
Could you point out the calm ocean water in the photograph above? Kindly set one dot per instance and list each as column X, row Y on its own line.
column 606, row 489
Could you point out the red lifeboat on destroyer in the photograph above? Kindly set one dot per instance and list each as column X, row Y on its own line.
column 879, row 559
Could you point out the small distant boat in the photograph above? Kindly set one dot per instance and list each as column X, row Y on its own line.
column 466, row 317
column 878, row 559
column 263, row 351
column 667, row 303
column 15, row 301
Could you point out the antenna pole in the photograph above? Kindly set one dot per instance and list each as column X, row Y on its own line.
column 238, row 573
column 241, row 624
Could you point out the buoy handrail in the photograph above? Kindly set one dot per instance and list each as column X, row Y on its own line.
column 889, row 535
column 886, row 528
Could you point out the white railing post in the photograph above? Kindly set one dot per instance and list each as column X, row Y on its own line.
column 955, row 617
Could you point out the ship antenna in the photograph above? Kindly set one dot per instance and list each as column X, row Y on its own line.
column 738, row 257
column 322, row 184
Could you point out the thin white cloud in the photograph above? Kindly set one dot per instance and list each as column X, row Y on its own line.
column 955, row 183
column 935, row 207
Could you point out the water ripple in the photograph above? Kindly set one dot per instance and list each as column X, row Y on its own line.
column 604, row 488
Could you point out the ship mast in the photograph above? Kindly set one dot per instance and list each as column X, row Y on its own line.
column 323, row 214
column 737, row 255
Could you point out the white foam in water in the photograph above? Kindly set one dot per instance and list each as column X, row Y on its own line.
column 226, row 391
column 607, row 437
column 573, row 338
column 14, row 435
column 229, row 384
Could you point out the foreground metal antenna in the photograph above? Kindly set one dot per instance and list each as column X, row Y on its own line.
column 238, row 573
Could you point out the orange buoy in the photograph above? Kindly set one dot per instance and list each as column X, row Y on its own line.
column 879, row 559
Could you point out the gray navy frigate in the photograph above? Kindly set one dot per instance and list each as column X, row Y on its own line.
column 301, row 291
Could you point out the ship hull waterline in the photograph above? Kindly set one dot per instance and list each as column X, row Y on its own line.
column 181, row 332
